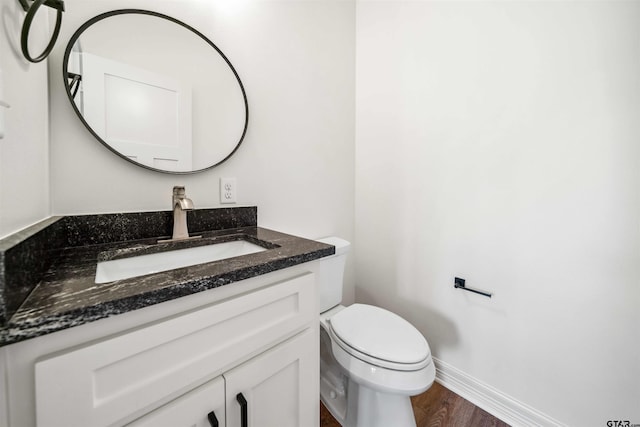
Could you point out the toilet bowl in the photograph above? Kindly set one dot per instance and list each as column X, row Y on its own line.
column 371, row 360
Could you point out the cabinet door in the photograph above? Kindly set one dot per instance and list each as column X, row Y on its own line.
column 280, row 386
column 202, row 407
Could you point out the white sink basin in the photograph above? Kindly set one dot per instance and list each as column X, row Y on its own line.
column 125, row 268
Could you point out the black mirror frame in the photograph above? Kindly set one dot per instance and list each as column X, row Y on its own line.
column 68, row 89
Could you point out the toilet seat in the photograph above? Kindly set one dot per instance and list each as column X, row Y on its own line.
column 379, row 337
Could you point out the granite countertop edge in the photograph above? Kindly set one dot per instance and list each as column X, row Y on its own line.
column 39, row 315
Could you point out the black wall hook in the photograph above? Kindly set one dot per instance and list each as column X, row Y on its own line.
column 28, row 20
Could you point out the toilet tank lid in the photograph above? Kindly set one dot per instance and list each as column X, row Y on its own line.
column 342, row 246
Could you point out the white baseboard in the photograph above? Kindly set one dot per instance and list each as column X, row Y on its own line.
column 495, row 402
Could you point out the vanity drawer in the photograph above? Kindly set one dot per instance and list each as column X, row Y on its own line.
column 112, row 381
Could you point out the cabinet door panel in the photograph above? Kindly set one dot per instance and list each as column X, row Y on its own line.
column 189, row 410
column 280, row 385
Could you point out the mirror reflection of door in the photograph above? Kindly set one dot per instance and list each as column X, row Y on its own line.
column 153, row 63
column 143, row 115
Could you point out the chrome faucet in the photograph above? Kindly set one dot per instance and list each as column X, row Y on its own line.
column 181, row 204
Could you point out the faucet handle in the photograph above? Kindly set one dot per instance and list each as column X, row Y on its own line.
column 181, row 199
column 178, row 190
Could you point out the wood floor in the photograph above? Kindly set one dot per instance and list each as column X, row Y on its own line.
column 437, row 407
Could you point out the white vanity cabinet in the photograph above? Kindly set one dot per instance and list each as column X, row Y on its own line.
column 260, row 343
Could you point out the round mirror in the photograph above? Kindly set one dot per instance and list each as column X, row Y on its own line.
column 155, row 91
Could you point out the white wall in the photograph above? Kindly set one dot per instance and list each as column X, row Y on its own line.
column 296, row 61
column 24, row 151
column 499, row 142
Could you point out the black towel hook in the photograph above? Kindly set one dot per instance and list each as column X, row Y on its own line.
column 26, row 26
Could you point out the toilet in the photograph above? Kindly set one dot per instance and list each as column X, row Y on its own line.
column 371, row 360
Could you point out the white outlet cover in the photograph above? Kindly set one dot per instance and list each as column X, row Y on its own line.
column 228, row 190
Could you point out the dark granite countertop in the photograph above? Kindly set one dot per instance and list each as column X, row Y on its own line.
column 66, row 294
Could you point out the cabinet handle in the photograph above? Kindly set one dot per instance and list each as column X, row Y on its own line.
column 243, row 410
column 213, row 420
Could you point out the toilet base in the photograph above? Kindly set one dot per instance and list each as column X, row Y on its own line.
column 370, row 408
column 333, row 381
column 333, row 396
column 364, row 407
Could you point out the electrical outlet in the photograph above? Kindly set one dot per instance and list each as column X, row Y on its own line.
column 228, row 190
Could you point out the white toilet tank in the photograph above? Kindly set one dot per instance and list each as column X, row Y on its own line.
column 331, row 273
